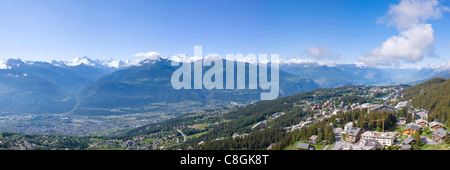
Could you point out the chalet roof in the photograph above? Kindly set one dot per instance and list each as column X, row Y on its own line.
column 422, row 113
column 434, row 123
column 374, row 134
column 383, row 108
column 421, row 121
column 406, row 147
column 408, row 140
column 412, row 126
column 349, row 124
column 440, row 133
column 353, row 131
column 313, row 137
column 303, row 146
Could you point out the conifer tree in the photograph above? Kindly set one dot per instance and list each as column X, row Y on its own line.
column 447, row 138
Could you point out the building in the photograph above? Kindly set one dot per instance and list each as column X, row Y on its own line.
column 353, row 134
column 235, row 135
column 367, row 144
column 421, row 114
column 304, row 146
column 260, row 124
column 313, row 139
column 436, row 125
column 422, row 123
column 366, row 105
column 402, row 121
column 382, row 108
column 348, row 126
column 383, row 138
column 337, row 111
column 401, row 105
column 409, row 141
column 439, row 135
column 410, row 129
column 405, row 147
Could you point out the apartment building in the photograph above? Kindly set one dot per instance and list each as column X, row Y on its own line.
column 383, row 138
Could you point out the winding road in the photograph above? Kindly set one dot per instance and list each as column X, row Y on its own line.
column 185, row 138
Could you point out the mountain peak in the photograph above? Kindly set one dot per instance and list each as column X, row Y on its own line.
column 81, row 60
column 111, row 63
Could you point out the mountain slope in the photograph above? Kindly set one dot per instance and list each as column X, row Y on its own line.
column 63, row 77
column 338, row 75
column 432, row 95
column 41, row 87
column 29, row 93
column 147, row 88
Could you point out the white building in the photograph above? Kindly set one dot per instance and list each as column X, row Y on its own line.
column 260, row 124
column 348, row 125
column 402, row 104
column 421, row 114
column 383, row 138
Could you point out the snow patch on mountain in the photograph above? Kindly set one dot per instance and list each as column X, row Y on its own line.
column 3, row 65
column 81, row 60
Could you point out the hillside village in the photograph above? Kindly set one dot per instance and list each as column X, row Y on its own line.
column 403, row 137
column 407, row 132
column 413, row 128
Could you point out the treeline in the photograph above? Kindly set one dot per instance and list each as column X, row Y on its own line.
column 322, row 129
column 166, row 125
column 243, row 118
column 432, row 95
column 290, row 118
column 355, row 99
column 257, row 140
column 43, row 142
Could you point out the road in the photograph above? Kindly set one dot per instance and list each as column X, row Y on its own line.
column 185, row 138
column 338, row 138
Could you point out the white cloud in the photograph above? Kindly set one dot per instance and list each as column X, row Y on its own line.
column 149, row 55
column 412, row 12
column 410, row 46
column 321, row 53
column 416, row 37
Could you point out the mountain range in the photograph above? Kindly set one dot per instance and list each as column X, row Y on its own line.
column 92, row 87
column 335, row 75
column 106, row 87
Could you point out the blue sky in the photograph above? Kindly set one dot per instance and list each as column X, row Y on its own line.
column 64, row 29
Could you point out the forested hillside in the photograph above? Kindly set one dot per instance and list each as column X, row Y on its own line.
column 432, row 95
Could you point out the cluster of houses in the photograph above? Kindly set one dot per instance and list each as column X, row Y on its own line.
column 308, row 121
column 438, row 128
column 371, row 140
column 368, row 140
column 237, row 135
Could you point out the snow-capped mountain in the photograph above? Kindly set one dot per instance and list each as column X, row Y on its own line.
column 325, row 74
column 86, row 61
column 3, row 65
column 111, row 63
column 81, row 60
